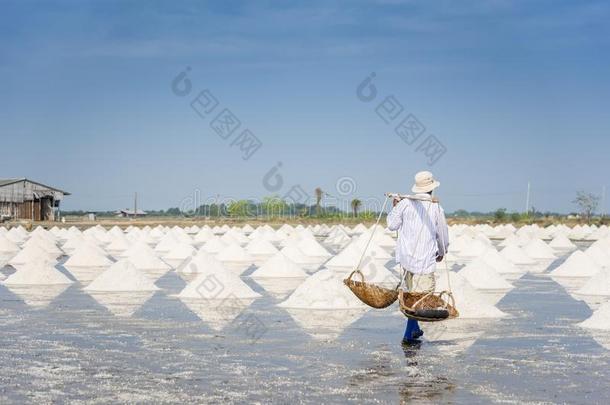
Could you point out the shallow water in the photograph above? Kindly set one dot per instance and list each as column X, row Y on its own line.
column 67, row 345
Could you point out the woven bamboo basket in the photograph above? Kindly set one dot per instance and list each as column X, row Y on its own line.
column 428, row 306
column 371, row 294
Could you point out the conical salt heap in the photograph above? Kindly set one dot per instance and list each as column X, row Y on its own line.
column 468, row 301
column 261, row 249
column 310, row 247
column 597, row 252
column 214, row 245
column 202, row 262
column 87, row 255
column 217, row 286
column 562, row 242
column 375, row 273
column 279, row 266
column 8, row 247
column 577, row 265
column 323, row 290
column 516, row 255
column 37, row 272
column 599, row 320
column 122, row 276
column 144, row 258
column 537, row 249
column 482, row 276
column 235, row 254
column 501, row 264
column 599, row 284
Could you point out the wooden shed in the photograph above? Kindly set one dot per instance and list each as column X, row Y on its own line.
column 27, row 199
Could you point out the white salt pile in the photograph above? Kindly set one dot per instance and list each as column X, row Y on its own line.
column 310, row 247
column 537, row 249
column 502, row 265
column 279, row 266
column 577, row 265
column 122, row 276
column 261, row 249
column 561, row 242
column 38, row 272
column 516, row 255
column 468, row 301
column 599, row 320
column 203, row 262
column 214, row 245
column 235, row 256
column 374, row 272
column 599, row 255
column 217, row 286
column 599, row 284
column 144, row 258
column 483, row 276
column 322, row 290
column 7, row 246
column 87, row 255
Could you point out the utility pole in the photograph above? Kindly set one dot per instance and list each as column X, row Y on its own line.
column 603, row 202
column 527, row 199
column 135, row 205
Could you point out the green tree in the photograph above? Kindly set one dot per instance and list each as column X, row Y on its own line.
column 515, row 217
column 500, row 214
column 356, row 203
column 275, row 206
column 238, row 208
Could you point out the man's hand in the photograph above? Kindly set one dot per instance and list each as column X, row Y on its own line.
column 439, row 259
column 395, row 201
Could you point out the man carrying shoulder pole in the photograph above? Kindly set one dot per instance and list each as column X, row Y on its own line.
column 423, row 239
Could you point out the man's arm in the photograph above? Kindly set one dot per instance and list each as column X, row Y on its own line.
column 395, row 216
column 442, row 233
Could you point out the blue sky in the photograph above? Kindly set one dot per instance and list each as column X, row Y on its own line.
column 516, row 91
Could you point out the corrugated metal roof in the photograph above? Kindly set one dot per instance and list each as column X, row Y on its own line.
column 6, row 182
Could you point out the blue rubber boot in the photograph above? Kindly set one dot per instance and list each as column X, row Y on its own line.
column 413, row 332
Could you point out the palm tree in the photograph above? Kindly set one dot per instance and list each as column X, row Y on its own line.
column 319, row 194
column 356, row 203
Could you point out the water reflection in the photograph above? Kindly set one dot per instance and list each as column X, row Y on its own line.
column 38, row 296
column 217, row 314
column 325, row 324
column 279, row 288
column 124, row 303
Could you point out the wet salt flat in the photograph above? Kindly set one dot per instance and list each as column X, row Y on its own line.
column 66, row 344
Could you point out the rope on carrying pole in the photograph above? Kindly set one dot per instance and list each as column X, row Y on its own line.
column 372, row 233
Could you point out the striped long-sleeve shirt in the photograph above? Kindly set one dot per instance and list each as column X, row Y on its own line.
column 422, row 233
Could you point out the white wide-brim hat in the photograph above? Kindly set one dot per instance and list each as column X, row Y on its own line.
column 424, row 183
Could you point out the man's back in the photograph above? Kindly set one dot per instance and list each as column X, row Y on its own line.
column 422, row 233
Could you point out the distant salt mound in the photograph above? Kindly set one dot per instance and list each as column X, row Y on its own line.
column 122, row 276
column 310, row 247
column 144, row 258
column 214, row 245
column 468, row 301
column 482, row 276
column 31, row 254
column 39, row 272
column 87, row 255
column 374, row 272
column 562, row 242
column 203, row 262
column 279, row 266
column 322, row 290
column 217, row 286
column 296, row 255
column 537, row 249
column 598, row 254
column 235, row 254
column 599, row 284
column 599, row 320
column 501, row 264
column 261, row 249
column 516, row 255
column 7, row 246
column 577, row 265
